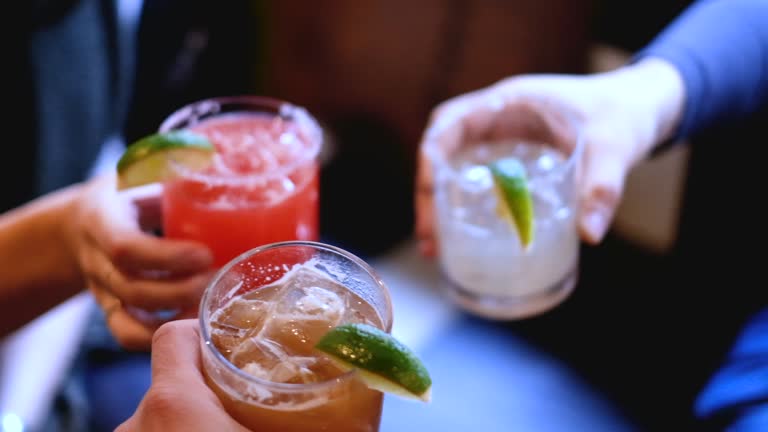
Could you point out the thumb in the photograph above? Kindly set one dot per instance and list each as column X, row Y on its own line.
column 602, row 186
column 176, row 352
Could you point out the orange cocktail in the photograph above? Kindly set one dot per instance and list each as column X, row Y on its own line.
column 261, row 317
column 262, row 185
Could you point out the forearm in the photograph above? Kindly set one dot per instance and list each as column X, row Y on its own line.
column 38, row 268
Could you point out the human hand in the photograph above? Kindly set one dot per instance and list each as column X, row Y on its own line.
column 179, row 399
column 623, row 114
column 128, row 270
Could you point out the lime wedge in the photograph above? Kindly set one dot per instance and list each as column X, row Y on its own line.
column 515, row 202
column 149, row 159
column 384, row 363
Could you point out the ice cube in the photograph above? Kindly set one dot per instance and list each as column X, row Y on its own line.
column 475, row 178
column 546, row 201
column 309, row 306
column 243, row 313
column 359, row 311
column 320, row 302
column 290, row 146
column 267, row 360
column 264, row 352
column 257, row 370
column 546, row 162
column 237, row 320
column 226, row 338
column 294, row 370
column 356, row 316
column 309, row 294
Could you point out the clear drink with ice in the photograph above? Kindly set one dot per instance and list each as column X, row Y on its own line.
column 487, row 269
column 262, row 316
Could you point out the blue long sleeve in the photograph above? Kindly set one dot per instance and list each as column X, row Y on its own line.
column 721, row 49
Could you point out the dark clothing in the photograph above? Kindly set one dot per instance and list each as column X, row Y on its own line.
column 62, row 102
column 78, row 77
column 81, row 75
column 721, row 49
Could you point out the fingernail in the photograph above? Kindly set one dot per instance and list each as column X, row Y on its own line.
column 595, row 224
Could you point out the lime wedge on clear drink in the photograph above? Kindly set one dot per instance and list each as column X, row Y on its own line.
column 150, row 159
column 383, row 362
column 515, row 203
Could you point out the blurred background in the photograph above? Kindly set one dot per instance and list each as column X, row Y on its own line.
column 650, row 318
column 640, row 324
column 648, row 322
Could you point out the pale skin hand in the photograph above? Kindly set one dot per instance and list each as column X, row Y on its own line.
column 179, row 399
column 125, row 267
column 624, row 114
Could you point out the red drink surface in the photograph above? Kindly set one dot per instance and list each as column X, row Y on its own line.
column 261, row 188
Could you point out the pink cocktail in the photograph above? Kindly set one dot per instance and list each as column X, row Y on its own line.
column 262, row 186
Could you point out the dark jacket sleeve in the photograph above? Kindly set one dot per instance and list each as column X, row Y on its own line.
column 721, row 49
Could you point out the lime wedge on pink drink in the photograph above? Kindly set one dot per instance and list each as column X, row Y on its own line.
column 383, row 362
column 151, row 159
column 515, row 202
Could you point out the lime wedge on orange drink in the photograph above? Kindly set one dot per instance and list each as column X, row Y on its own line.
column 515, row 203
column 151, row 158
column 384, row 363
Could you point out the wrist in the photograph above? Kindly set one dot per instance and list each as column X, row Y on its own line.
column 657, row 92
column 64, row 219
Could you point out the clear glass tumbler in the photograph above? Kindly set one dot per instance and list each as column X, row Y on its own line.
column 487, row 270
column 261, row 316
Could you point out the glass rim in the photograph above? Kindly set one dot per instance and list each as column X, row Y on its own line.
column 202, row 109
column 437, row 156
column 284, row 387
